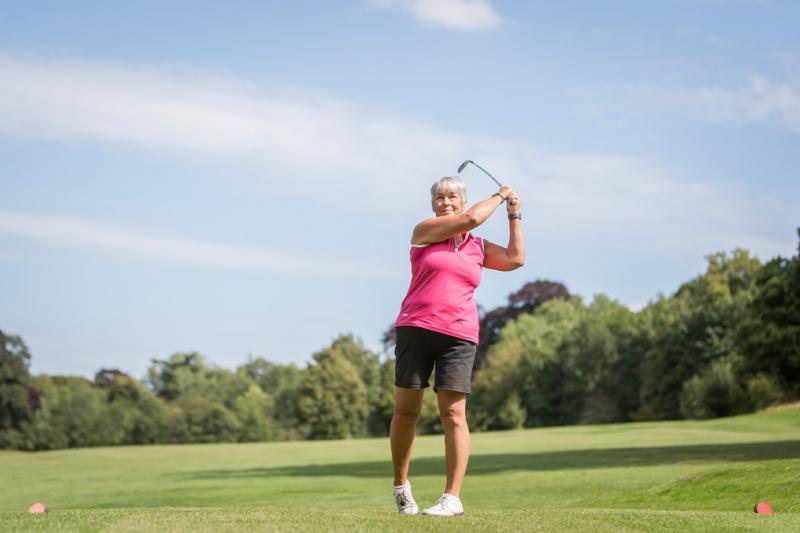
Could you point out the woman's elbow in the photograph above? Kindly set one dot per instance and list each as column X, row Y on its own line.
column 516, row 262
column 470, row 221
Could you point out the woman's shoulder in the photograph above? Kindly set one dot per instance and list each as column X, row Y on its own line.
column 477, row 240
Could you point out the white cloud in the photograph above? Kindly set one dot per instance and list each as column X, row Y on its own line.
column 463, row 15
column 341, row 148
column 84, row 234
column 184, row 111
column 759, row 101
column 651, row 211
column 198, row 115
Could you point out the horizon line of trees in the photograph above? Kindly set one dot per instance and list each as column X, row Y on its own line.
column 726, row 342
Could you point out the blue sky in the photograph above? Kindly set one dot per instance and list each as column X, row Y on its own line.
column 242, row 178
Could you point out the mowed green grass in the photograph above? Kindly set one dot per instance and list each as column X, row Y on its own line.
column 665, row 476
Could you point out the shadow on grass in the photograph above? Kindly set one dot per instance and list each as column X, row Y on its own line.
column 543, row 461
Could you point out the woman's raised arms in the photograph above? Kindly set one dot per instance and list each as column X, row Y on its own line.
column 449, row 222
column 512, row 256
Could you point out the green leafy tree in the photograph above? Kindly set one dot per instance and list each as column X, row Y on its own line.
column 19, row 400
column 366, row 365
column 142, row 417
column 524, row 301
column 149, row 423
column 254, row 409
column 75, row 413
column 525, row 378
column 768, row 337
column 546, row 381
column 381, row 404
column 205, row 398
column 601, row 357
column 692, row 329
column 185, row 374
column 364, row 361
column 281, row 383
column 206, row 421
column 714, row 392
column 332, row 399
column 168, row 378
column 429, row 422
column 494, row 402
column 763, row 390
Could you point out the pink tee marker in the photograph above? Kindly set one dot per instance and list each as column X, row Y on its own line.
column 38, row 507
column 762, row 508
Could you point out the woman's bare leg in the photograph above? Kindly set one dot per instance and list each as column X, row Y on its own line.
column 407, row 406
column 453, row 412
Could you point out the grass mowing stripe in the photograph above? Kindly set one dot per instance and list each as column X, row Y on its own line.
column 725, row 488
column 696, row 475
column 292, row 519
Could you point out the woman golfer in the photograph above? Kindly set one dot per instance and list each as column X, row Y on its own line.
column 438, row 328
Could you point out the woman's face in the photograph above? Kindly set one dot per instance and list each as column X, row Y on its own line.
column 447, row 203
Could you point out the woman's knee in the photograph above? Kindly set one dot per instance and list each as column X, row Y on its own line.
column 408, row 406
column 450, row 419
column 407, row 413
column 452, row 416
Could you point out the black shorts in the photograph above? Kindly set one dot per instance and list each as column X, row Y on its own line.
column 419, row 350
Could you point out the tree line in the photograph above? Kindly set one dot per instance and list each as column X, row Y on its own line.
column 726, row 342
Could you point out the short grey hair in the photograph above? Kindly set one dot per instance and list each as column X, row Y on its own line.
column 450, row 184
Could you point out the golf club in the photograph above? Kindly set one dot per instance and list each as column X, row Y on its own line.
column 470, row 161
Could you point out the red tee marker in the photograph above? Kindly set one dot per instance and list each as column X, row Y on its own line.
column 762, row 508
column 38, row 507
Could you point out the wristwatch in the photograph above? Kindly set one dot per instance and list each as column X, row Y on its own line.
column 512, row 216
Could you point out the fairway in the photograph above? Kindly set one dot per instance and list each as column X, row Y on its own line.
column 657, row 476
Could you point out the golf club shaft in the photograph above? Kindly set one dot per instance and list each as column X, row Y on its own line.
column 487, row 173
column 513, row 200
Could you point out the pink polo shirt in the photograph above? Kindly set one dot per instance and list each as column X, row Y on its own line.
column 441, row 296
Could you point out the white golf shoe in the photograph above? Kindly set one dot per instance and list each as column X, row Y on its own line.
column 446, row 505
column 405, row 500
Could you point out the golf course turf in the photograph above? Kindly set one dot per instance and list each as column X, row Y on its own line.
column 652, row 476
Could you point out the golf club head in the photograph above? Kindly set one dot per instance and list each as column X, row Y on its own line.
column 464, row 164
